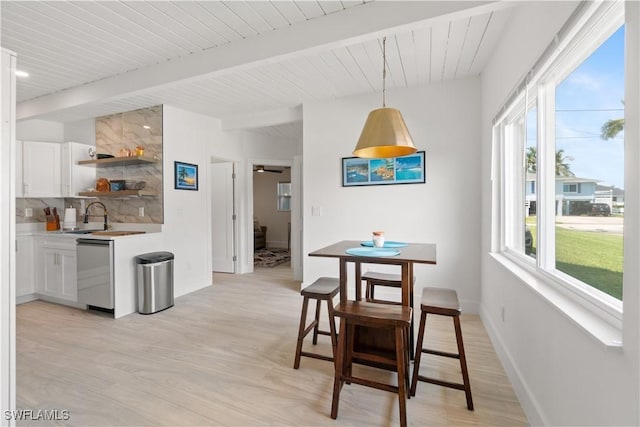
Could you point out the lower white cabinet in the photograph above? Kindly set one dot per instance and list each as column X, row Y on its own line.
column 25, row 260
column 56, row 274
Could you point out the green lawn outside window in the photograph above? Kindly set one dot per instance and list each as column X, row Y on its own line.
column 592, row 257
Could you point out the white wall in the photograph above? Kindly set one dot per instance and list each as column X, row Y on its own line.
column 187, row 138
column 444, row 121
column 561, row 374
column 265, row 208
column 83, row 131
column 39, row 130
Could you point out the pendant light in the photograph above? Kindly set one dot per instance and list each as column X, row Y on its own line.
column 384, row 134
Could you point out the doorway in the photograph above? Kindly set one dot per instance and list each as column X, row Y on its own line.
column 271, row 216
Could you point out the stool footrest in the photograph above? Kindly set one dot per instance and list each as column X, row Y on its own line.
column 441, row 353
column 324, row 333
column 316, row 356
column 383, row 301
column 441, row 382
column 370, row 383
column 371, row 357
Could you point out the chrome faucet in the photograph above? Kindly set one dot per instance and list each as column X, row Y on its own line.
column 86, row 213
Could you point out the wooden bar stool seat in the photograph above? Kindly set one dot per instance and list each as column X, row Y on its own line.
column 323, row 289
column 443, row 302
column 397, row 320
column 374, row 279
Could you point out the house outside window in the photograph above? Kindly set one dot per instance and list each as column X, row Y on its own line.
column 571, row 188
column 555, row 157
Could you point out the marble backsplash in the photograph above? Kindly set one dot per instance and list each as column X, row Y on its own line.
column 119, row 211
column 128, row 130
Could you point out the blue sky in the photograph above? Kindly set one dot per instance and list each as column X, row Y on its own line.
column 585, row 100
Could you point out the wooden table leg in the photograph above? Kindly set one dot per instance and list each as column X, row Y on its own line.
column 339, row 368
column 407, row 300
column 358, row 281
column 343, row 281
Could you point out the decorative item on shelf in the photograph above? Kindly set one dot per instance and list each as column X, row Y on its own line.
column 385, row 133
column 104, row 156
column 102, row 184
column 134, row 185
column 117, row 184
column 139, row 150
column 378, row 239
column 92, row 153
column 124, row 152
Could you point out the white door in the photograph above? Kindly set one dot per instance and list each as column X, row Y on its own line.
column 222, row 217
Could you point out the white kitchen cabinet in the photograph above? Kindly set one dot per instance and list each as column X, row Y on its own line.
column 56, row 274
column 76, row 178
column 25, row 261
column 19, row 180
column 41, row 169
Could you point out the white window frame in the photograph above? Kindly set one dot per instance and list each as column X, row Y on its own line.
column 597, row 22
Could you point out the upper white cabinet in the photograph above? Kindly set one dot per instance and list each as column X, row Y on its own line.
column 41, row 169
column 49, row 169
column 76, row 178
column 19, row 181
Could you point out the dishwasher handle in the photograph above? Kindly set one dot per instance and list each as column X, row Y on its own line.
column 93, row 242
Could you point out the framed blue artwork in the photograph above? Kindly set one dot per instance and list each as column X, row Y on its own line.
column 186, row 176
column 409, row 169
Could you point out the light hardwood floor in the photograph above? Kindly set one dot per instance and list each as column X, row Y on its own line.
column 224, row 356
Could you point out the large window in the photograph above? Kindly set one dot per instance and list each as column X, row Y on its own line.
column 561, row 143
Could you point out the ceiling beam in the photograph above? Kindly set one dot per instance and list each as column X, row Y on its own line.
column 330, row 31
column 263, row 119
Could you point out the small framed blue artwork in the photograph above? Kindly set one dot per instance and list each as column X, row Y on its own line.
column 409, row 169
column 186, row 176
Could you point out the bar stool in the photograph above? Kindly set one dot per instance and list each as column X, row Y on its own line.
column 394, row 318
column 443, row 302
column 323, row 289
column 374, row 279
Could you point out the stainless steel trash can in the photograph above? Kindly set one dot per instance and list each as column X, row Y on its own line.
column 155, row 281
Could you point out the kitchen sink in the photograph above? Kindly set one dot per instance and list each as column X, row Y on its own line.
column 80, row 231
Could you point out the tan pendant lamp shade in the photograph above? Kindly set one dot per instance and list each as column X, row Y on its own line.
column 384, row 134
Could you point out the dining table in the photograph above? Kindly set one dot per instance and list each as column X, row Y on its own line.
column 405, row 255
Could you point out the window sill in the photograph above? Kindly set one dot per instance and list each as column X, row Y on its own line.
column 595, row 326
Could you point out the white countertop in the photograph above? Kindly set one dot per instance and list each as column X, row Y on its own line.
column 37, row 229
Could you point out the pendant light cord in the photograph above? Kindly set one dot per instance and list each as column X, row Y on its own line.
column 384, row 71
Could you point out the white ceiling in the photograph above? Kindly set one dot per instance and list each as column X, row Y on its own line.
column 235, row 58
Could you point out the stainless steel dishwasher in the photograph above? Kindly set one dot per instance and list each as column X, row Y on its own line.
column 95, row 273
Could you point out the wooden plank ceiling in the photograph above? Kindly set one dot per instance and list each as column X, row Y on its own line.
column 65, row 44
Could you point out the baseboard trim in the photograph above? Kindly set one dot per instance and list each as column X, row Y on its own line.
column 527, row 400
column 26, row 298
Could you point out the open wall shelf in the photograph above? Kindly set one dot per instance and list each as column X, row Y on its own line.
column 118, row 161
column 121, row 193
